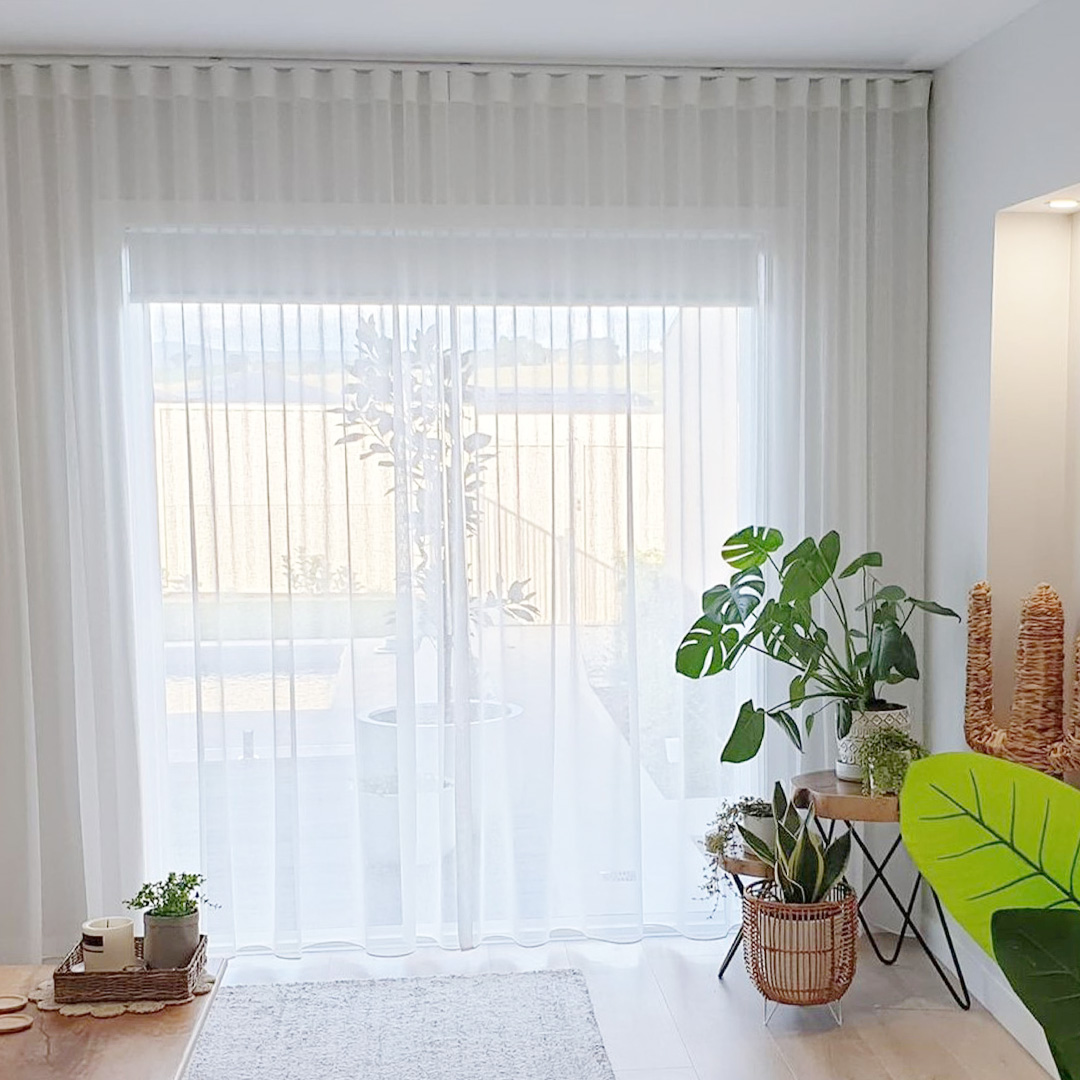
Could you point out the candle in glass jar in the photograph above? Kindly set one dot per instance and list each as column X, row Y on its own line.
column 108, row 944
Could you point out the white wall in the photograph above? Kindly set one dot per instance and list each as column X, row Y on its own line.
column 1003, row 130
column 1029, row 529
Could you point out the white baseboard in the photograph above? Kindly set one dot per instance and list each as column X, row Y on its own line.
column 989, row 986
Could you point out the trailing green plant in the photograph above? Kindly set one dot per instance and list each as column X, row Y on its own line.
column 866, row 649
column 721, row 832
column 176, row 896
column 805, row 866
column 884, row 756
column 724, row 826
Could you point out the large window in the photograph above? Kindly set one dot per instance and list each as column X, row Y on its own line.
column 372, row 518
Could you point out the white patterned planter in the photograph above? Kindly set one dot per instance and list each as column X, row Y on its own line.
column 862, row 725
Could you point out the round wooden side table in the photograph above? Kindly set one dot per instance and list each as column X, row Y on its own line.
column 738, row 865
column 836, row 800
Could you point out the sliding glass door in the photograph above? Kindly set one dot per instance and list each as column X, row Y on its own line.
column 423, row 569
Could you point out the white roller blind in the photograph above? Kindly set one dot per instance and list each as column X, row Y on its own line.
column 475, row 266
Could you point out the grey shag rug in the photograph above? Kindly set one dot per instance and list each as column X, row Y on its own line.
column 535, row 1025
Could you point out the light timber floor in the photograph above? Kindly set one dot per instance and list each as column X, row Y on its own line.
column 664, row 1015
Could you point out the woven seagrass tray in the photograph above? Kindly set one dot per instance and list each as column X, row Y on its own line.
column 166, row 984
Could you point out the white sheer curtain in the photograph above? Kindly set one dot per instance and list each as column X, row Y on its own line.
column 369, row 434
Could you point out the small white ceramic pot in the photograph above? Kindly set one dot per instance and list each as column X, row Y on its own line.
column 764, row 828
column 862, row 725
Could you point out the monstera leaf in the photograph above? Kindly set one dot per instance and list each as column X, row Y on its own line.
column 989, row 834
column 1039, row 951
column 706, row 649
column 751, row 546
column 734, row 603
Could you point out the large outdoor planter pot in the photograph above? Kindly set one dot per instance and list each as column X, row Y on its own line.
column 800, row 954
column 435, row 743
column 432, row 770
column 864, row 724
column 170, row 940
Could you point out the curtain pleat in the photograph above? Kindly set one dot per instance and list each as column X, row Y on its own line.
column 368, row 434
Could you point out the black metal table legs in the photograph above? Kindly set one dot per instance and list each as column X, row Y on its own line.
column 738, row 936
column 958, row 989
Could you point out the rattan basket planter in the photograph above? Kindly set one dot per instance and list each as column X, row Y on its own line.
column 800, row 954
column 163, row 984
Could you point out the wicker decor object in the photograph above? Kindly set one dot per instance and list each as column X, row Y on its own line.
column 1035, row 734
column 1036, row 722
column 1065, row 755
column 800, row 954
column 167, row 984
column 980, row 731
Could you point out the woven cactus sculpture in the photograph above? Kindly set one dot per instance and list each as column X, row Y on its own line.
column 1065, row 755
column 981, row 732
column 1035, row 734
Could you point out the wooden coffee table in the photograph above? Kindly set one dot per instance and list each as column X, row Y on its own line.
column 135, row 1046
column 836, row 800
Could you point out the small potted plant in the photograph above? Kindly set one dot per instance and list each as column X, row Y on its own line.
column 170, row 919
column 746, row 812
column 840, row 652
column 883, row 758
column 801, row 927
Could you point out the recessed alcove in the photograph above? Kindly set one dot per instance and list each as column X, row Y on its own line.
column 1034, row 479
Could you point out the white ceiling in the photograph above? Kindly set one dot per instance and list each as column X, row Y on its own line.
column 864, row 33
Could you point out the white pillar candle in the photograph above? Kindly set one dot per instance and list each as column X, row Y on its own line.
column 108, row 944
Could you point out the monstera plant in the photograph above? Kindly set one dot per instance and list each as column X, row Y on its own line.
column 841, row 632
column 1000, row 844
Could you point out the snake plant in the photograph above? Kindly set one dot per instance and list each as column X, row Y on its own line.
column 805, row 866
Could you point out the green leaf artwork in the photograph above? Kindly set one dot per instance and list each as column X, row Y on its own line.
column 989, row 834
column 1039, row 951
